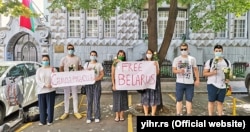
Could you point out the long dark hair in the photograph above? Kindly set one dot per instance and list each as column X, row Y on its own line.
column 122, row 51
column 147, row 52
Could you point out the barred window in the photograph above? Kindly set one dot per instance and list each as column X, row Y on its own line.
column 180, row 25
column 223, row 33
column 240, row 26
column 109, row 28
column 162, row 23
column 144, row 26
column 92, row 23
column 74, row 29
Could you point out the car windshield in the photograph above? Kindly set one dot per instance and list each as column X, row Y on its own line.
column 3, row 69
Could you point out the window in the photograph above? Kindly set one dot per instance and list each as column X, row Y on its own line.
column 180, row 25
column 144, row 26
column 92, row 23
column 162, row 23
column 240, row 26
column 74, row 29
column 109, row 28
column 223, row 33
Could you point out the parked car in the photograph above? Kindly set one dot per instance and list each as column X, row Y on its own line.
column 25, row 70
column 247, row 78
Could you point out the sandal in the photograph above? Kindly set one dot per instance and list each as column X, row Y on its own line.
column 122, row 119
column 117, row 119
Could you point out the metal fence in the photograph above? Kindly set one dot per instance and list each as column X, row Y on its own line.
column 166, row 70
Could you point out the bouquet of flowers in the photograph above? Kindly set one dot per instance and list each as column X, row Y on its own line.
column 155, row 56
column 115, row 61
column 184, row 64
column 226, row 72
column 72, row 67
column 216, row 60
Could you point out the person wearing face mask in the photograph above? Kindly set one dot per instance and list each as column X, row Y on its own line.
column 71, row 62
column 184, row 66
column 120, row 97
column 216, row 83
column 151, row 97
column 46, row 94
column 93, row 91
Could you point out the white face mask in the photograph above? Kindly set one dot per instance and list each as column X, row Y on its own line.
column 149, row 56
column 184, row 53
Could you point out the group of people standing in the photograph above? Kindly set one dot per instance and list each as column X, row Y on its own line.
column 184, row 66
column 46, row 93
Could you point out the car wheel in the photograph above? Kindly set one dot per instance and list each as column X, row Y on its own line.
column 2, row 114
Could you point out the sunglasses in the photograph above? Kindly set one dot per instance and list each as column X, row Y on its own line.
column 70, row 48
column 183, row 49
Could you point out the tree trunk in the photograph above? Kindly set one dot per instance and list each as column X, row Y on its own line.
column 152, row 25
column 173, row 11
column 167, row 39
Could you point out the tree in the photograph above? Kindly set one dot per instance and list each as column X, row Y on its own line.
column 15, row 8
column 204, row 14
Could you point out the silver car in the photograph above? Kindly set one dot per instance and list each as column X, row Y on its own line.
column 25, row 70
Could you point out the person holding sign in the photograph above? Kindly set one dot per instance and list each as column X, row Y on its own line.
column 184, row 66
column 120, row 97
column 93, row 91
column 46, row 94
column 151, row 97
column 69, row 63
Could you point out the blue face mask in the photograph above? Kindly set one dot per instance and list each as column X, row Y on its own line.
column 71, row 52
column 92, row 57
column 45, row 63
column 218, row 54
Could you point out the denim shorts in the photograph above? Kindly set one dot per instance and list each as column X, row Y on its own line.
column 187, row 89
column 215, row 94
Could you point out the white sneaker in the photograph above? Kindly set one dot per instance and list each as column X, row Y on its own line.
column 49, row 124
column 97, row 120
column 40, row 124
column 88, row 121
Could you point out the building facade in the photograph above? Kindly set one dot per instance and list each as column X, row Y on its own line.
column 128, row 31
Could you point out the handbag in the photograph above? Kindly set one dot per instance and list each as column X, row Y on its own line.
column 83, row 90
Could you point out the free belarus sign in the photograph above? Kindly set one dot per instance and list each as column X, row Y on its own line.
column 73, row 78
column 135, row 75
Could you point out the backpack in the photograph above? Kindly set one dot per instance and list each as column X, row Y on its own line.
column 13, row 93
column 211, row 60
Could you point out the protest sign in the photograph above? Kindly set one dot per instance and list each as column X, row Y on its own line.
column 73, row 78
column 135, row 75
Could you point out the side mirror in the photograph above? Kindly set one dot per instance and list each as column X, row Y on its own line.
column 3, row 82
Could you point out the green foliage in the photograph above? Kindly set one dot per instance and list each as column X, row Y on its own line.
column 15, row 8
column 214, row 17
column 202, row 16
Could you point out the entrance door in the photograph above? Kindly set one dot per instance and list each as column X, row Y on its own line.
column 24, row 49
column 29, row 52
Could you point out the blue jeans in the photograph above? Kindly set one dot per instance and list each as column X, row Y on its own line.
column 215, row 94
column 187, row 89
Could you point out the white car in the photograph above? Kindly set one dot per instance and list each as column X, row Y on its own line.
column 247, row 78
column 26, row 70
